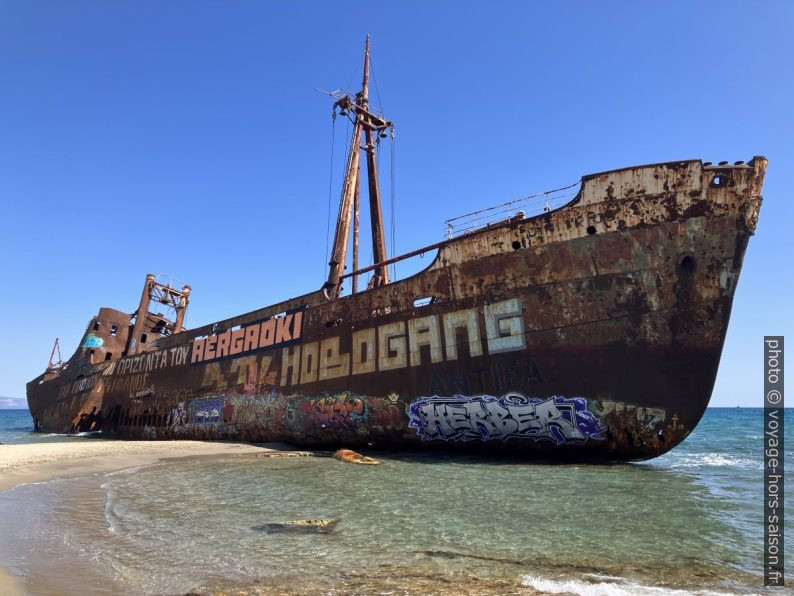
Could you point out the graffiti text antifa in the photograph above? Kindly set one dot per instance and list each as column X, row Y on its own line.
column 484, row 417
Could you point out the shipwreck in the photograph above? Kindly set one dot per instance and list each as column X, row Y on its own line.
column 583, row 323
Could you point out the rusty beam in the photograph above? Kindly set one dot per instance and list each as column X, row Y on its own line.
column 356, row 209
column 381, row 276
column 182, row 309
column 140, row 317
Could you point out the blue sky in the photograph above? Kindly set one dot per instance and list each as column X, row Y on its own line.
column 186, row 138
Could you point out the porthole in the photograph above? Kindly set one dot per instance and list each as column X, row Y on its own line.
column 720, row 180
column 687, row 265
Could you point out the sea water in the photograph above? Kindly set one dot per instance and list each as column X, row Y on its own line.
column 688, row 521
column 16, row 426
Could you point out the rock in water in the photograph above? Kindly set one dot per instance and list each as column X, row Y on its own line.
column 352, row 457
column 323, row 526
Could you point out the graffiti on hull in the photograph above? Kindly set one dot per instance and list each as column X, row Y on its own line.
column 177, row 417
column 512, row 416
column 345, row 412
column 92, row 341
column 652, row 418
column 272, row 416
column 205, row 410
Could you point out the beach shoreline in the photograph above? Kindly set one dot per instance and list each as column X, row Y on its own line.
column 39, row 462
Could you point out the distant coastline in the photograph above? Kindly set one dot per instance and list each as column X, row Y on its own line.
column 13, row 403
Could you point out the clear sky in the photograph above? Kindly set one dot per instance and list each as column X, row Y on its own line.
column 185, row 137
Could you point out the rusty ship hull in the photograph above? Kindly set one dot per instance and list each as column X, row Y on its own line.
column 591, row 331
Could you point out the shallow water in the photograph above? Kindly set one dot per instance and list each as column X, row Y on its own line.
column 16, row 426
column 690, row 520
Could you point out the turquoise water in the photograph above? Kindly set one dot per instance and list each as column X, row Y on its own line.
column 691, row 520
column 16, row 426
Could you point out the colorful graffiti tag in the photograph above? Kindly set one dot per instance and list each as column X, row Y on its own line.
column 178, row 416
column 93, row 341
column 278, row 417
column 205, row 410
column 345, row 412
column 345, row 409
column 349, row 415
column 486, row 418
column 653, row 418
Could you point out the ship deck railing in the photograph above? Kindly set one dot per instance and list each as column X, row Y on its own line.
column 527, row 206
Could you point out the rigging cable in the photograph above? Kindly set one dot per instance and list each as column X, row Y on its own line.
column 377, row 134
column 392, row 173
column 330, row 189
column 375, row 80
column 393, row 202
column 331, row 177
column 348, row 145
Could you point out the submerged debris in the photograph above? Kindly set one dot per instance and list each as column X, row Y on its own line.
column 322, row 526
column 352, row 457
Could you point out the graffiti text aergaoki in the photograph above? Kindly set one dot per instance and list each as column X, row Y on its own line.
column 273, row 332
column 399, row 344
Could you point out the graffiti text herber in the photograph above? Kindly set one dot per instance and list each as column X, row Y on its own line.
column 273, row 332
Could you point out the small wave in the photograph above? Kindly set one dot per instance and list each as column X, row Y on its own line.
column 90, row 433
column 39, row 483
column 609, row 586
column 713, row 460
column 126, row 471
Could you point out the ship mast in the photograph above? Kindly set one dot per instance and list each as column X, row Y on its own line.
column 370, row 125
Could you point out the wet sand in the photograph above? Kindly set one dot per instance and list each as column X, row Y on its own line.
column 37, row 462
column 9, row 586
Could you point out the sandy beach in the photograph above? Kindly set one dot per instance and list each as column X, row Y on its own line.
column 37, row 462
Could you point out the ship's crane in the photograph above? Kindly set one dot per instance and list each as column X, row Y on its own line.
column 54, row 364
column 163, row 293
